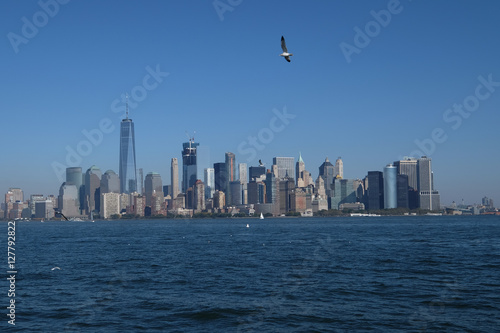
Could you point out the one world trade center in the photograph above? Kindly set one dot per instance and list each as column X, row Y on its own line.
column 128, row 176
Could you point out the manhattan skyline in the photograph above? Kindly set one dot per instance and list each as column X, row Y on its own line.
column 425, row 80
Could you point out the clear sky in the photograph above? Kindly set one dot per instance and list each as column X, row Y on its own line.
column 370, row 81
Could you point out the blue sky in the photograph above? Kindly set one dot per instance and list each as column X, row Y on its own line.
column 219, row 74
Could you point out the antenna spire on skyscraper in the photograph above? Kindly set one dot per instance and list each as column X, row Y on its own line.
column 127, row 105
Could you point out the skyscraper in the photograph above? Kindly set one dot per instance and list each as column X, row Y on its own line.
column 231, row 175
column 408, row 166
column 127, row 172
column 174, row 177
column 220, row 176
column 209, row 177
column 285, row 166
column 199, row 196
column 390, row 187
column 93, row 189
column 300, row 167
column 140, row 182
column 427, row 195
column 327, row 172
column 257, row 173
column 69, row 204
column 74, row 176
column 189, row 165
column 339, row 168
column 110, row 183
column 345, row 191
column 152, row 185
column 243, row 177
column 403, row 198
column 375, row 190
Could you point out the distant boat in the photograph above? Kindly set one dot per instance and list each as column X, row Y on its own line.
column 361, row 214
column 248, row 226
column 261, row 216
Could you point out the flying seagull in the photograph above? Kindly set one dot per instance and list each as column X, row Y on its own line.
column 260, row 163
column 285, row 51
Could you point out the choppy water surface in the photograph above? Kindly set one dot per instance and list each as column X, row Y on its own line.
column 382, row 274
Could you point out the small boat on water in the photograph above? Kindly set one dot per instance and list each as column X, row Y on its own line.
column 261, row 216
column 361, row 214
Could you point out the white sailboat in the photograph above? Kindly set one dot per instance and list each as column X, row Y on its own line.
column 261, row 216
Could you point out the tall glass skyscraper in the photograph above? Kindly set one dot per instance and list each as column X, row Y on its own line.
column 189, row 166
column 127, row 172
column 390, row 187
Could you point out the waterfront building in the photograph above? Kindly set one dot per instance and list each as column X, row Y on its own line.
column 428, row 197
column 408, row 166
column 69, row 203
column 127, row 164
column 74, row 176
column 110, row 204
column 236, row 193
column 344, row 191
column 375, row 190
column 44, row 209
column 390, row 187
column 189, row 164
column 124, row 202
column 219, row 200
column 298, row 200
column 402, row 191
column 273, row 192
column 38, row 197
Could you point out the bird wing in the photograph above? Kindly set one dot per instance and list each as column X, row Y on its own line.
column 64, row 216
column 283, row 45
column 287, row 58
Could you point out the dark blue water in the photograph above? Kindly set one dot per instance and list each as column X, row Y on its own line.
column 411, row 274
